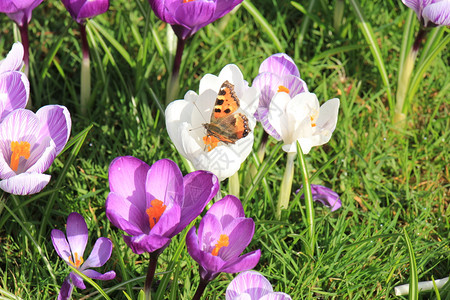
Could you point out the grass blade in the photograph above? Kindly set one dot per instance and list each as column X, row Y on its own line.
column 413, row 278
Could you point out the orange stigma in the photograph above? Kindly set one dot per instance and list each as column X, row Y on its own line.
column 222, row 242
column 19, row 149
column 186, row 1
column 313, row 124
column 210, row 142
column 283, row 89
column 155, row 212
column 78, row 260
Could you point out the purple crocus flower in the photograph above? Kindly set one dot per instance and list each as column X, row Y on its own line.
column 154, row 203
column 436, row 12
column 277, row 73
column 189, row 16
column 14, row 84
column 71, row 250
column 251, row 285
column 325, row 195
column 29, row 143
column 80, row 10
column 19, row 10
column 224, row 232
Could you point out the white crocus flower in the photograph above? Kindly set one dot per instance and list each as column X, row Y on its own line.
column 185, row 121
column 301, row 119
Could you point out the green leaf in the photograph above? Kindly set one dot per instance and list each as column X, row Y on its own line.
column 413, row 278
column 91, row 282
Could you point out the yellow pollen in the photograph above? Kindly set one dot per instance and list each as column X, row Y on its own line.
column 155, row 212
column 186, row 1
column 283, row 89
column 313, row 124
column 78, row 261
column 222, row 242
column 211, row 142
column 19, row 149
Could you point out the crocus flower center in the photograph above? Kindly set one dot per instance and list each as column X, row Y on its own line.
column 313, row 118
column 283, row 89
column 155, row 212
column 210, row 142
column 19, row 149
column 78, row 260
column 222, row 242
column 186, row 1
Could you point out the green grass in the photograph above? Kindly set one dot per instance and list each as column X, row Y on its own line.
column 389, row 179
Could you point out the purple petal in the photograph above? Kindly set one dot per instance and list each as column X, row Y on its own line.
column 14, row 92
column 268, row 84
column 199, row 188
column 240, row 233
column 91, row 9
column 20, row 11
column 77, row 281
column 25, row 183
column 438, row 13
column 325, row 195
column 280, row 64
column 162, row 11
column 146, row 243
column 14, row 60
column 42, row 155
column 195, row 14
column 227, row 209
column 209, row 232
column 263, row 114
column 77, row 234
column 127, row 176
column 224, row 7
column 168, row 221
column 99, row 276
column 60, row 244
column 243, row 263
column 276, row 296
column 250, row 282
column 65, row 293
column 164, row 182
column 55, row 122
column 125, row 215
column 99, row 254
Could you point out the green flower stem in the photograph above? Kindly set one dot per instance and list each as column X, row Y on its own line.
column 85, row 93
column 339, row 7
column 234, row 185
column 308, row 202
column 250, row 176
column 173, row 84
column 150, row 274
column 286, row 185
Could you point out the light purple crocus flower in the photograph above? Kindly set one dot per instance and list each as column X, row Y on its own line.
column 154, row 203
column 188, row 16
column 71, row 250
column 436, row 12
column 224, row 232
column 277, row 73
column 14, row 84
column 29, row 143
column 19, row 10
column 80, row 10
column 251, row 285
column 325, row 195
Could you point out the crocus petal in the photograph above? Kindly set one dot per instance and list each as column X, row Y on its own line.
column 65, row 293
column 14, row 60
column 199, row 188
column 240, row 233
column 146, row 243
column 55, row 122
column 91, row 9
column 168, row 221
column 25, row 183
column 195, row 14
column 326, row 196
column 77, row 234
column 437, row 13
column 209, row 232
column 60, row 244
column 243, row 263
column 227, row 209
column 77, row 281
column 41, row 157
column 125, row 215
column 224, row 7
column 160, row 8
column 164, row 182
column 100, row 253
column 328, row 115
column 127, row 177
column 280, row 64
column 250, row 282
column 276, row 296
column 99, row 276
column 14, row 92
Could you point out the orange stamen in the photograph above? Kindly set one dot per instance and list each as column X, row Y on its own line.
column 78, row 261
column 211, row 142
column 186, row 1
column 313, row 124
column 222, row 242
column 283, row 89
column 19, row 149
column 155, row 212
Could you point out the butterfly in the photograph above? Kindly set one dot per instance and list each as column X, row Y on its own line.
column 226, row 125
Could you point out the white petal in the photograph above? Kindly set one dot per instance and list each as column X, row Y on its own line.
column 250, row 101
column 14, row 60
column 175, row 112
column 210, row 82
column 25, row 183
column 277, row 114
column 328, row 115
column 234, row 75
